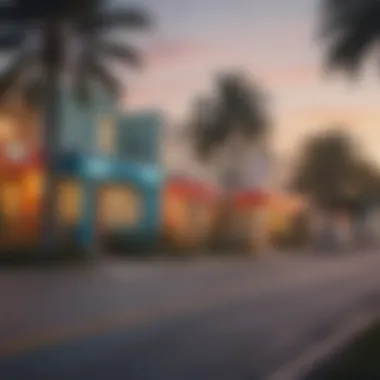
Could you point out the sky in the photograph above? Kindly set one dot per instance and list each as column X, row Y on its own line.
column 275, row 43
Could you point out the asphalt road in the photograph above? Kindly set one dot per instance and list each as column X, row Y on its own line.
column 203, row 320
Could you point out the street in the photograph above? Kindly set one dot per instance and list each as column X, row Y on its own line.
column 226, row 319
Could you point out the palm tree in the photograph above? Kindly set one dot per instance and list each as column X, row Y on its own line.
column 51, row 41
column 202, row 126
column 351, row 32
column 230, row 122
column 235, row 117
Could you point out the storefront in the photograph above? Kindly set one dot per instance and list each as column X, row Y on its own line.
column 188, row 210
column 251, row 218
column 96, row 197
column 111, row 198
column 20, row 176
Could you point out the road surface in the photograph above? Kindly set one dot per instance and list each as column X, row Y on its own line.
column 203, row 320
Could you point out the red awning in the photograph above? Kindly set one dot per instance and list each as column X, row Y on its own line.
column 191, row 189
column 17, row 165
column 251, row 198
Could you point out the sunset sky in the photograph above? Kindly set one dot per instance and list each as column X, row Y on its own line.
column 274, row 41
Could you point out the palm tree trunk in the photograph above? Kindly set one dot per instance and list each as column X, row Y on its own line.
column 226, row 228
column 229, row 222
column 52, row 60
column 50, row 199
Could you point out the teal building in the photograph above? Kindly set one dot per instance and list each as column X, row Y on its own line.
column 110, row 174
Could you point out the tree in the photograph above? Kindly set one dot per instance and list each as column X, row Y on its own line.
column 230, row 121
column 49, row 41
column 326, row 170
column 351, row 31
column 234, row 119
column 202, row 126
column 367, row 178
column 334, row 176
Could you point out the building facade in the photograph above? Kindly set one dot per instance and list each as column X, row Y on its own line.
column 103, row 190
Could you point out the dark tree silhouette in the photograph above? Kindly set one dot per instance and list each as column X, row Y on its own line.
column 350, row 32
column 334, row 175
column 47, row 41
column 238, row 109
column 233, row 119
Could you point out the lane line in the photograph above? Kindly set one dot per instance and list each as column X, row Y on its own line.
column 182, row 305
column 301, row 367
column 126, row 319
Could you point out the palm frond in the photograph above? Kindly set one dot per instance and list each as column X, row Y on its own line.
column 81, row 78
column 14, row 71
column 82, row 91
column 9, row 13
column 117, row 18
column 125, row 53
column 349, row 52
column 85, row 9
column 242, row 107
column 100, row 72
column 10, row 41
column 11, row 27
column 82, row 86
column 33, row 92
column 203, row 130
column 239, row 109
column 350, row 30
column 336, row 13
column 41, row 10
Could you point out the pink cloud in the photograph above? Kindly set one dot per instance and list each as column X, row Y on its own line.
column 168, row 53
column 351, row 116
column 170, row 100
column 297, row 75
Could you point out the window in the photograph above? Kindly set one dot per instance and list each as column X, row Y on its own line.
column 175, row 211
column 119, row 206
column 69, row 202
column 133, row 147
column 138, row 143
column 106, row 136
column 7, row 129
column 11, row 218
column 11, row 201
column 33, row 192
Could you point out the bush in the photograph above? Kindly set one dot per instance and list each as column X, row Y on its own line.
column 32, row 255
column 298, row 234
column 359, row 360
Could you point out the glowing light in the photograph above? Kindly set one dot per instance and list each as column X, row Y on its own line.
column 97, row 168
column 151, row 174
